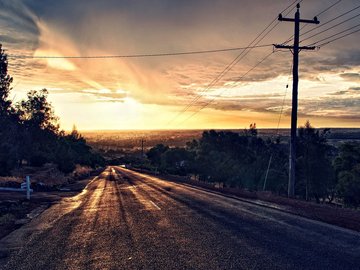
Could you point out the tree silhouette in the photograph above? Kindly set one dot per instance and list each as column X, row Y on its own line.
column 30, row 134
column 347, row 166
column 9, row 141
column 315, row 169
column 5, row 82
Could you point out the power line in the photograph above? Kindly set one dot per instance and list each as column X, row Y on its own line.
column 236, row 60
column 329, row 21
column 137, row 55
column 331, row 27
column 237, row 80
column 277, row 128
column 322, row 12
column 346, row 30
column 325, row 43
column 317, row 15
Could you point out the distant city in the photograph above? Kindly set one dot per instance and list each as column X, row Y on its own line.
column 130, row 140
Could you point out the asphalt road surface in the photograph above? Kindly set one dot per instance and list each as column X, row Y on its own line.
column 128, row 220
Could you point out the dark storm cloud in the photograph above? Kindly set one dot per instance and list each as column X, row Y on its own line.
column 15, row 14
column 344, row 58
column 10, row 39
column 18, row 19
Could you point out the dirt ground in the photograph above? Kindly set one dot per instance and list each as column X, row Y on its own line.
column 16, row 210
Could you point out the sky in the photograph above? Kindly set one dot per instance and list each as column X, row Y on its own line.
column 173, row 92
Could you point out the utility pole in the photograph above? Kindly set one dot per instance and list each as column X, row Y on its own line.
column 295, row 50
column 142, row 148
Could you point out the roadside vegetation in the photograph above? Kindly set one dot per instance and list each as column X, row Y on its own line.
column 31, row 136
column 32, row 143
column 325, row 174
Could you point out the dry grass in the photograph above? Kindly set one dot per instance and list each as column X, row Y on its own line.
column 47, row 174
column 81, row 171
column 11, row 179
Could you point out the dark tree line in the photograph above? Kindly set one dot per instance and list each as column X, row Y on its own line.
column 30, row 133
column 242, row 160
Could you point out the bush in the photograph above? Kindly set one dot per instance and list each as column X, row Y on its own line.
column 347, row 166
column 66, row 165
column 7, row 220
column 38, row 160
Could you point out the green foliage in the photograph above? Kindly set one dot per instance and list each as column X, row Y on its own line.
column 347, row 166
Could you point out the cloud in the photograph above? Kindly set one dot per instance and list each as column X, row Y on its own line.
column 351, row 91
column 106, row 95
column 118, row 27
column 351, row 76
column 21, row 25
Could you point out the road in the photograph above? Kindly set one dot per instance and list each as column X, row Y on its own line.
column 128, row 220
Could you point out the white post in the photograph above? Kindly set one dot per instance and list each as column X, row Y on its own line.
column 28, row 187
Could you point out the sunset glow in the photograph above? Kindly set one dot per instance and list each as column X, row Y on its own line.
column 150, row 93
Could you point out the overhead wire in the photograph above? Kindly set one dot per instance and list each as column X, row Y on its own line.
column 341, row 32
column 136, row 55
column 277, row 128
column 326, row 9
column 335, row 39
column 317, row 15
column 329, row 28
column 218, row 77
column 237, row 59
column 237, row 80
column 331, row 20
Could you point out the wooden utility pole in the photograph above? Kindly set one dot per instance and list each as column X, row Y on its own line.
column 142, row 148
column 295, row 50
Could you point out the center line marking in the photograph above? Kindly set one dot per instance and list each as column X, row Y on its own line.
column 154, row 204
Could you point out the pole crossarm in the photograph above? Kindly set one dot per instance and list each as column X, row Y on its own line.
column 280, row 46
column 313, row 21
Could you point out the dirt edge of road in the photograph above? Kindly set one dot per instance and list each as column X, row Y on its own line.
column 28, row 210
column 342, row 217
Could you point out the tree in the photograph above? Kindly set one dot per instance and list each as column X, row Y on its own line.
column 177, row 160
column 39, row 128
column 347, row 167
column 5, row 82
column 316, row 175
column 9, row 144
column 37, row 112
column 155, row 153
column 235, row 159
column 29, row 132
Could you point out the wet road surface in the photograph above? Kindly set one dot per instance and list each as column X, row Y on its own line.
column 128, row 220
